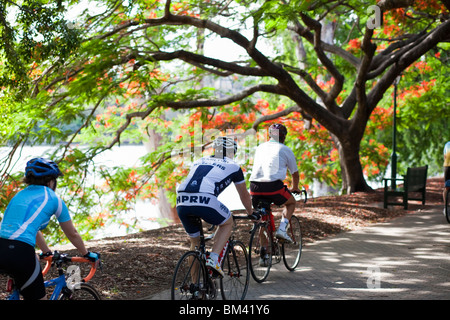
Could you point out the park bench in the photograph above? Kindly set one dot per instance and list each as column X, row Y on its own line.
column 413, row 182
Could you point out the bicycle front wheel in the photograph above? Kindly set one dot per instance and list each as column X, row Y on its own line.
column 447, row 206
column 189, row 279
column 234, row 284
column 83, row 291
column 260, row 252
column 292, row 251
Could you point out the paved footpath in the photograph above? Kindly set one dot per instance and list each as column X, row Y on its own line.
column 406, row 258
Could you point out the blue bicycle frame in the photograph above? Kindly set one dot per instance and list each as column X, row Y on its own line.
column 59, row 283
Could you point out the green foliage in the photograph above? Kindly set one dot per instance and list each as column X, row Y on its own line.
column 423, row 127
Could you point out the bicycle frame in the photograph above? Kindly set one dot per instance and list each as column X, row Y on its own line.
column 267, row 215
column 265, row 249
column 59, row 282
column 209, row 288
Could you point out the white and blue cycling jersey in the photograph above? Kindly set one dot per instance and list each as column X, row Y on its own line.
column 197, row 195
column 30, row 211
column 212, row 175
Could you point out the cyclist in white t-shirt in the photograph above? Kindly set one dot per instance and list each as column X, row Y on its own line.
column 271, row 162
column 197, row 197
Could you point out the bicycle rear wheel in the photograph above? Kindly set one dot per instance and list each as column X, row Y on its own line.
column 234, row 284
column 189, row 278
column 83, row 291
column 260, row 252
column 292, row 251
column 447, row 206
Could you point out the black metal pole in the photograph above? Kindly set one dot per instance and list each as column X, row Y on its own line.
column 394, row 139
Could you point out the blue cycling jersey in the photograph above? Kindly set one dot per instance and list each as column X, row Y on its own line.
column 30, row 211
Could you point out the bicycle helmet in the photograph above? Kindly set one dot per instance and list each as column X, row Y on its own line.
column 278, row 132
column 225, row 146
column 40, row 167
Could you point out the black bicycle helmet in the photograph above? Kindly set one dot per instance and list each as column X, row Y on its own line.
column 278, row 131
column 225, row 146
column 40, row 167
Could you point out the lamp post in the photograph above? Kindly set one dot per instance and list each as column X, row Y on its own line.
column 394, row 138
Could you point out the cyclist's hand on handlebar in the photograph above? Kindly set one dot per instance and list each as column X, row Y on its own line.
column 43, row 255
column 93, row 256
column 255, row 215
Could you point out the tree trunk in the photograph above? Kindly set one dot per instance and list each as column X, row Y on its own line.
column 167, row 212
column 352, row 172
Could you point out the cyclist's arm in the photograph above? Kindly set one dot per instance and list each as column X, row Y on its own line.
column 245, row 197
column 40, row 241
column 74, row 237
column 295, row 181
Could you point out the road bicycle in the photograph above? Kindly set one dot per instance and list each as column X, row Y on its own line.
column 72, row 288
column 193, row 281
column 265, row 249
column 447, row 205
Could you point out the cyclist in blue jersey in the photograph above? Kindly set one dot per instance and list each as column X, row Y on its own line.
column 27, row 213
column 197, row 197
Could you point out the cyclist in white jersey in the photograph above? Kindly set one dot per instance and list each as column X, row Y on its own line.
column 29, row 212
column 272, row 160
column 197, row 196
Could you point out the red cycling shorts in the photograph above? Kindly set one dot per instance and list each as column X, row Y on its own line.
column 274, row 191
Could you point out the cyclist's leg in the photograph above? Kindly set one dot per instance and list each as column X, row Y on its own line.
column 19, row 258
column 186, row 215
column 213, row 212
column 222, row 235
column 289, row 208
column 285, row 198
column 222, row 214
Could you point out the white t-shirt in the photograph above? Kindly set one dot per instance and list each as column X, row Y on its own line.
column 272, row 159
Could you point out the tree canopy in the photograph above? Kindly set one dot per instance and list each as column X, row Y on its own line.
column 128, row 71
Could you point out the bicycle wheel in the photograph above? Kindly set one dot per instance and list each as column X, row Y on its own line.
column 234, row 284
column 292, row 251
column 447, row 206
column 189, row 278
column 260, row 252
column 83, row 291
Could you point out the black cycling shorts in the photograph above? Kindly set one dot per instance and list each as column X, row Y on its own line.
column 19, row 260
column 446, row 174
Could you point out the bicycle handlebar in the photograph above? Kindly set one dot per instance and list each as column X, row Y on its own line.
column 64, row 258
column 299, row 195
column 247, row 217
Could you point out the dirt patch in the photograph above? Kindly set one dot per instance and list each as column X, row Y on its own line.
column 142, row 264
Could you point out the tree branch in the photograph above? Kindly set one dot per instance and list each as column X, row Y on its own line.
column 328, row 64
column 415, row 52
column 197, row 60
column 282, row 113
column 226, row 100
column 305, row 33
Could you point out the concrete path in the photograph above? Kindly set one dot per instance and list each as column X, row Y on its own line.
column 406, row 258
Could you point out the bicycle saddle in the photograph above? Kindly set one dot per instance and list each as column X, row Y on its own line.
column 263, row 203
